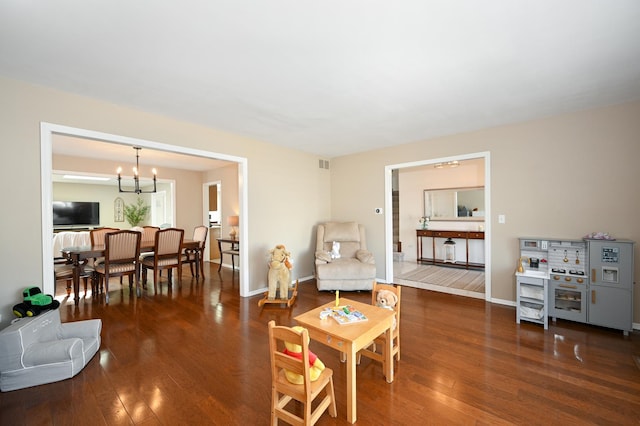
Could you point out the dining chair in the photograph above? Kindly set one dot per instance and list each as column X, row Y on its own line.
column 63, row 267
column 167, row 254
column 191, row 256
column 283, row 391
column 121, row 254
column 148, row 239
column 97, row 239
column 63, row 271
column 149, row 234
column 370, row 351
column 97, row 235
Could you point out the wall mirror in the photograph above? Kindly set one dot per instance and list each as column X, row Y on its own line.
column 455, row 203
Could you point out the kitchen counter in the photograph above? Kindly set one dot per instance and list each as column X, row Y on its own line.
column 534, row 273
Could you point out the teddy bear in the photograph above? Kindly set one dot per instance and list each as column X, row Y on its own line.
column 316, row 366
column 279, row 272
column 387, row 299
column 335, row 250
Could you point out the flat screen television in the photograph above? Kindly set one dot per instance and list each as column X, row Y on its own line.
column 76, row 213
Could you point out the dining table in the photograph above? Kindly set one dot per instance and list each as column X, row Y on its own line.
column 350, row 338
column 78, row 255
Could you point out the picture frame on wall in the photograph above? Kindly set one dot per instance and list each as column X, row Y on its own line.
column 118, row 210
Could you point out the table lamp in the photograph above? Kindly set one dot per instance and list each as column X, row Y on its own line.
column 233, row 221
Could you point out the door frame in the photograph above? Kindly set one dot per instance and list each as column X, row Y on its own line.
column 388, row 220
column 47, row 130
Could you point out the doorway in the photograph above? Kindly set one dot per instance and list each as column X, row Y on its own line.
column 389, row 218
column 48, row 130
column 212, row 213
column 159, row 211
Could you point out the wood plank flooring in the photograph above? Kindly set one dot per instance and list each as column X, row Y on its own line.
column 198, row 354
column 468, row 280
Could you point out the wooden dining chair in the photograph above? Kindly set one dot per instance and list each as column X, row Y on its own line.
column 63, row 271
column 149, row 234
column 167, row 254
column 371, row 351
column 283, row 391
column 148, row 239
column 121, row 254
column 191, row 256
column 97, row 235
column 97, row 239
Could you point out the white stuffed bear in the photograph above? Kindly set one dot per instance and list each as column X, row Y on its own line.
column 279, row 272
column 335, row 250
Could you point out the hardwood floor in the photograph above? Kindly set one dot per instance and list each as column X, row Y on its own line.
column 470, row 283
column 198, row 354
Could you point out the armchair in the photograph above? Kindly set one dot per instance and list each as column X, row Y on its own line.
column 355, row 269
column 38, row 350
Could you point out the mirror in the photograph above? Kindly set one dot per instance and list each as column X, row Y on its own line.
column 455, row 203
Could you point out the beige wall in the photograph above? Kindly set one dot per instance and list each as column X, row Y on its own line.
column 564, row 176
column 287, row 192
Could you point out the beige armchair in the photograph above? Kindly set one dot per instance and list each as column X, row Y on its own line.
column 355, row 267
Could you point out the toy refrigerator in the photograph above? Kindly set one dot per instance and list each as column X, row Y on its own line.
column 611, row 284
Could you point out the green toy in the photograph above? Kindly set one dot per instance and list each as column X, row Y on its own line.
column 34, row 302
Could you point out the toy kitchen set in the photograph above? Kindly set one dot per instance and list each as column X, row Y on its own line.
column 588, row 280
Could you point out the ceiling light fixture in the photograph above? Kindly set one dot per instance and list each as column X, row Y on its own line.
column 136, row 180
column 454, row 163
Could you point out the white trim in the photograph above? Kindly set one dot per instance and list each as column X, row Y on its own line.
column 46, row 191
column 388, row 219
column 46, row 158
column 503, row 302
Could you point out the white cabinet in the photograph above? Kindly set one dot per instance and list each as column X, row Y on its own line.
column 532, row 300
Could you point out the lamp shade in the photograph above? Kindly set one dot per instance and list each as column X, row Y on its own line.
column 232, row 220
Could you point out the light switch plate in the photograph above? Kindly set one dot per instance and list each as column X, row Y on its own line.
column 502, row 218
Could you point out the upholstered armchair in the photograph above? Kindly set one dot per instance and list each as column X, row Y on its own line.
column 355, row 267
column 41, row 349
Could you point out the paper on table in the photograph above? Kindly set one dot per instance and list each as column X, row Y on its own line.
column 347, row 315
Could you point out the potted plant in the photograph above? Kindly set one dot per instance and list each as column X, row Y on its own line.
column 135, row 213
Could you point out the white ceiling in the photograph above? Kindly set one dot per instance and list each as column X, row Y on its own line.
column 331, row 77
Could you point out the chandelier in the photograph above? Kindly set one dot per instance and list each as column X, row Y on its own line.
column 136, row 180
